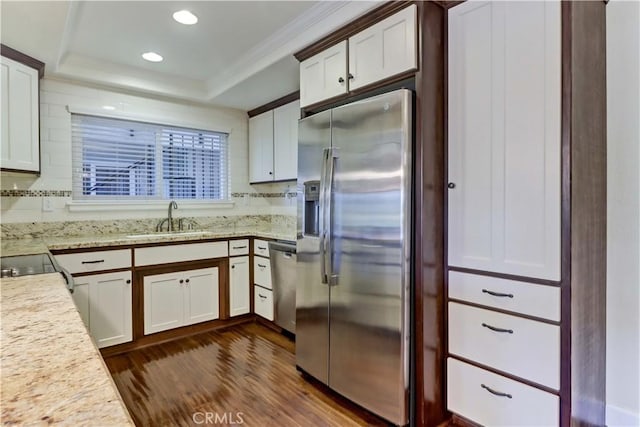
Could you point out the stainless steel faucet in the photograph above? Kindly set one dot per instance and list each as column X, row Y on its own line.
column 172, row 205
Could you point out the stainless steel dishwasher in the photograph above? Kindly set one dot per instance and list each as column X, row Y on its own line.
column 283, row 279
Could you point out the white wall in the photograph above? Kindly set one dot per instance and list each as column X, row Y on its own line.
column 623, row 213
column 55, row 125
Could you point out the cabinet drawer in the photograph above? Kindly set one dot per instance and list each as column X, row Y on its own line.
column 468, row 395
column 531, row 350
column 261, row 247
column 86, row 262
column 262, row 272
column 263, row 302
column 239, row 247
column 526, row 298
column 180, row 253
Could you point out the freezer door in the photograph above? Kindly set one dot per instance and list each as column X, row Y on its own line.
column 312, row 296
column 369, row 339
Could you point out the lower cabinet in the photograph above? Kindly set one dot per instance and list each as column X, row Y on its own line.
column 493, row 400
column 239, row 286
column 104, row 303
column 263, row 302
column 179, row 299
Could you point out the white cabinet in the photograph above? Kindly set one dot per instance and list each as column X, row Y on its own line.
column 493, row 400
column 324, row 75
column 261, row 147
column 19, row 109
column 239, row 286
column 263, row 302
column 179, row 299
column 273, row 144
column 384, row 49
column 504, row 137
column 285, row 141
column 262, row 272
column 104, row 304
column 87, row 262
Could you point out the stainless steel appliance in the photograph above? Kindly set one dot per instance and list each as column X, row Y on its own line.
column 283, row 279
column 353, row 250
column 25, row 265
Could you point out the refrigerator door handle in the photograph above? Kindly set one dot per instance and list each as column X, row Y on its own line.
column 322, row 216
column 326, row 187
column 332, row 279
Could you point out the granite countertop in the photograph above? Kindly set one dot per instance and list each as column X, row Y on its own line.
column 11, row 247
column 51, row 370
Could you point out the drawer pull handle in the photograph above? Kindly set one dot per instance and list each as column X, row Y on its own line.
column 497, row 294
column 262, row 266
column 98, row 261
column 493, row 328
column 262, row 296
column 261, row 248
column 239, row 247
column 497, row 393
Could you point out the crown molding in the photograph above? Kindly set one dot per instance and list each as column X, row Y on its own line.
column 306, row 28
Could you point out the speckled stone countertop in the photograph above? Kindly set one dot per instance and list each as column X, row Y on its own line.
column 51, row 370
column 11, row 247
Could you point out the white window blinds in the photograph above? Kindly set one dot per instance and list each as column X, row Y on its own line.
column 120, row 159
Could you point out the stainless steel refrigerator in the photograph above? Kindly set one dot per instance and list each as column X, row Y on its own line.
column 354, row 249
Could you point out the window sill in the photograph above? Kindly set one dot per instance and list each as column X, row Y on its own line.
column 147, row 205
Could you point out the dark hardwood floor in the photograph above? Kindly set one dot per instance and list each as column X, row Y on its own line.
column 241, row 375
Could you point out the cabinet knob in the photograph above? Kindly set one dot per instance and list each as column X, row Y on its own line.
column 181, row 281
column 340, row 80
column 233, row 266
column 270, row 173
column 187, row 280
column 128, row 282
column 451, row 185
column 351, row 77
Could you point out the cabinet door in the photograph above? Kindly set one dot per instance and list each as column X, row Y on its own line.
column 239, row 295
column 163, row 302
column 80, row 297
column 261, row 147
column 262, row 272
column 384, row 49
column 201, row 295
column 324, row 75
column 110, row 308
column 20, row 119
column 263, row 302
column 504, row 137
column 285, row 141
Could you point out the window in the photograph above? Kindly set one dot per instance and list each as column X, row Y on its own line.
column 120, row 160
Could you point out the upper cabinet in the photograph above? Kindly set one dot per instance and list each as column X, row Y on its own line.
column 261, row 147
column 324, row 75
column 20, row 135
column 384, row 49
column 504, row 137
column 273, row 144
column 381, row 51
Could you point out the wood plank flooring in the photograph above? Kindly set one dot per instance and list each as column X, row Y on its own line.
column 242, row 375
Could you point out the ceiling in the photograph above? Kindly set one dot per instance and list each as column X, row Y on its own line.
column 238, row 55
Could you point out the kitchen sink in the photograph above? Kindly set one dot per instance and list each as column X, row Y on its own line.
column 175, row 233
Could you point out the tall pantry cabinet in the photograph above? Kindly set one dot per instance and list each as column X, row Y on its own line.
column 526, row 220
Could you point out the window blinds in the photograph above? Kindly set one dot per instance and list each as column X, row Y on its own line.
column 120, row 159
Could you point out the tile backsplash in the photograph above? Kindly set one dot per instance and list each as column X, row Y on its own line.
column 21, row 230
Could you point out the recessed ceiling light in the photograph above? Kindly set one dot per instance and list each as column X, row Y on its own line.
column 185, row 17
column 108, row 107
column 152, row 56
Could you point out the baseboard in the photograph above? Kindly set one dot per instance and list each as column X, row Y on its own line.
column 618, row 417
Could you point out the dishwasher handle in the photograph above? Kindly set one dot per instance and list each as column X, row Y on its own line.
column 287, row 248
